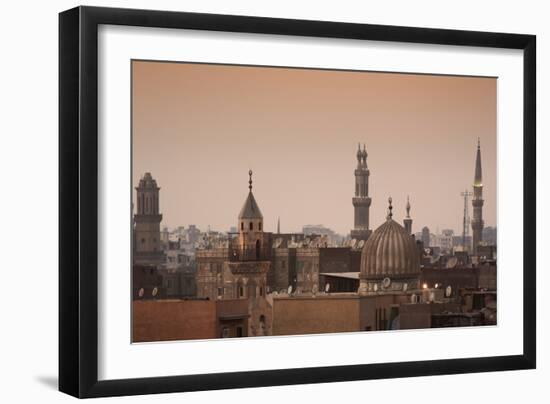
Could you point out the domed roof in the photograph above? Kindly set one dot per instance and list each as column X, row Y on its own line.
column 390, row 252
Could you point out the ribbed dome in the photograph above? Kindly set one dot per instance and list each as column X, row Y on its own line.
column 389, row 252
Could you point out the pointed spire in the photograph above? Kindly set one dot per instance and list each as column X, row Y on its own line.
column 408, row 207
column 250, row 180
column 477, row 177
column 390, row 207
column 359, row 155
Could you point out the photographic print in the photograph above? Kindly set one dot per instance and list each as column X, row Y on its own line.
column 272, row 201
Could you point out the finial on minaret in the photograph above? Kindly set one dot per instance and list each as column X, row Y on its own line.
column 478, row 143
column 390, row 214
column 250, row 180
column 477, row 176
column 408, row 207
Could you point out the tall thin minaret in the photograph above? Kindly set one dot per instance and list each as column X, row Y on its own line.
column 361, row 201
column 407, row 222
column 477, row 203
column 278, row 225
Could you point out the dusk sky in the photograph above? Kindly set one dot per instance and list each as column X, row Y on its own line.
column 199, row 128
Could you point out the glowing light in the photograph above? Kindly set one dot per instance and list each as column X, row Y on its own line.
column 425, row 286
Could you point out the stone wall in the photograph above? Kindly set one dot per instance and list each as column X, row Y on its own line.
column 168, row 320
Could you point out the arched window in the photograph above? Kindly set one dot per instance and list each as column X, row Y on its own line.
column 242, row 225
column 251, row 226
column 258, row 249
column 260, row 226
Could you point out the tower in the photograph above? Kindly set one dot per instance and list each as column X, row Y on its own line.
column 477, row 203
column 249, row 264
column 407, row 222
column 251, row 233
column 278, row 225
column 147, row 220
column 426, row 236
column 361, row 201
column 466, row 218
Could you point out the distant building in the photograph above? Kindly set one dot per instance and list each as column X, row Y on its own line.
column 426, row 236
column 490, row 235
column 444, row 240
column 193, row 234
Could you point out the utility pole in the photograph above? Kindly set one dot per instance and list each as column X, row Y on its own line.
column 466, row 220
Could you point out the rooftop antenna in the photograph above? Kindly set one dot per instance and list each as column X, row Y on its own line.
column 466, row 219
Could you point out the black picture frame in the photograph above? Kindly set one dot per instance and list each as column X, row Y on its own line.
column 78, row 200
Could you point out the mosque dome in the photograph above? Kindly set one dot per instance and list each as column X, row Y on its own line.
column 390, row 252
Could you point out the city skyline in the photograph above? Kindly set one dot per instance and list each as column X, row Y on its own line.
column 300, row 140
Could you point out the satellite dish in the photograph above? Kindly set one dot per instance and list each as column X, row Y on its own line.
column 361, row 244
column 327, row 287
column 352, row 243
column 405, row 286
column 375, row 287
column 141, row 292
column 289, row 290
column 413, row 298
column 315, row 288
column 386, row 282
column 451, row 263
column 448, row 291
column 154, row 292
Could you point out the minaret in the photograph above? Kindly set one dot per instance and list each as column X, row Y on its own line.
column 477, row 203
column 361, row 201
column 407, row 222
column 249, row 265
column 251, row 232
column 147, row 220
column 278, row 225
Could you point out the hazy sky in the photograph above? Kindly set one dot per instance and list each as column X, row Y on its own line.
column 199, row 128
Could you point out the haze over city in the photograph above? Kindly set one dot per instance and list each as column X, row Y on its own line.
column 199, row 128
